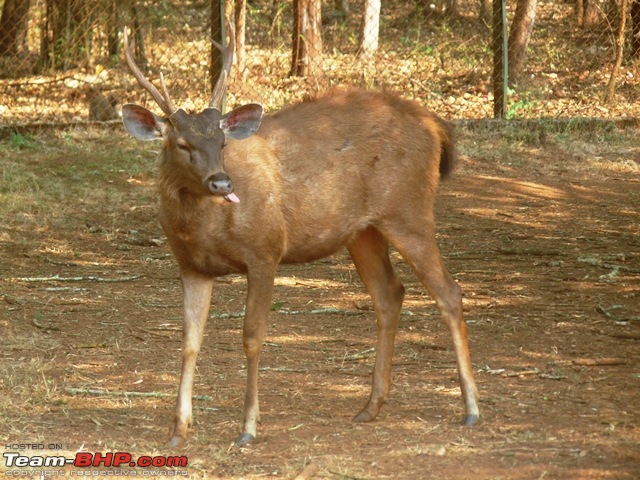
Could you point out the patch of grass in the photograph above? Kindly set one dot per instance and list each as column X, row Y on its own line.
column 29, row 379
column 37, row 174
column 18, row 141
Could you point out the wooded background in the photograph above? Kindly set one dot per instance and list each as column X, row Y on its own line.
column 61, row 60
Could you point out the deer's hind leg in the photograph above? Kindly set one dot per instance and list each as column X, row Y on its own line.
column 416, row 242
column 369, row 252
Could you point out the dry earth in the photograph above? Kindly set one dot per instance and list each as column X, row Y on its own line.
column 540, row 228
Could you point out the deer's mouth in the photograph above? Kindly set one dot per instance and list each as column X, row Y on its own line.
column 231, row 198
column 219, row 184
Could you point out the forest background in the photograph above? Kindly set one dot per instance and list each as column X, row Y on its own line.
column 61, row 60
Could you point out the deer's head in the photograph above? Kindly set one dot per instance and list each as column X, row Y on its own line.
column 193, row 142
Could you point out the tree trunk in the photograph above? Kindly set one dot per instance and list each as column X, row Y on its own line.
column 519, row 36
column 635, row 28
column 611, row 88
column 370, row 28
column 307, row 38
column 580, row 12
column 241, row 35
column 66, row 36
column 140, row 51
column 500, row 58
column 13, row 27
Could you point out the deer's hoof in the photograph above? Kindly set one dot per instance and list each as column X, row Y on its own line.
column 177, row 441
column 363, row 417
column 470, row 420
column 245, row 439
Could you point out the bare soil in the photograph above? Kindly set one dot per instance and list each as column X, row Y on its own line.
column 543, row 235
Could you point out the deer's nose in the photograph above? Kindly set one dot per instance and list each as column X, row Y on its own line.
column 219, row 184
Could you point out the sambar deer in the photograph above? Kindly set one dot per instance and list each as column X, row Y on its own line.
column 243, row 193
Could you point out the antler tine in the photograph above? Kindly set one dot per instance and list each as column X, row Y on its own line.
column 227, row 61
column 165, row 94
column 163, row 101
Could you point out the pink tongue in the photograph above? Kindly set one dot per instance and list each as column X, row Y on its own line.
column 232, row 197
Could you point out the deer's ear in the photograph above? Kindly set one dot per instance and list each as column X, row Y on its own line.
column 142, row 123
column 242, row 122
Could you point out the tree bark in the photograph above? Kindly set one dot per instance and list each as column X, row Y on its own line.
column 307, row 38
column 13, row 27
column 66, row 36
column 519, row 36
column 500, row 58
column 370, row 28
column 635, row 28
column 611, row 88
column 579, row 12
column 240, row 15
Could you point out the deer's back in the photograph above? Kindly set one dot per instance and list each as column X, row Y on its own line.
column 312, row 177
column 351, row 159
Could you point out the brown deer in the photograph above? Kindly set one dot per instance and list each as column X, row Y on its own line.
column 242, row 193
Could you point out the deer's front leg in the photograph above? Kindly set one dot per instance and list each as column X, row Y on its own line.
column 197, row 298
column 259, row 293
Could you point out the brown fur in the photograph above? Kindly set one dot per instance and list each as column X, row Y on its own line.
column 315, row 174
column 354, row 169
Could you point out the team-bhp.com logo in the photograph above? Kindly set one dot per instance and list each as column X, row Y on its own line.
column 93, row 461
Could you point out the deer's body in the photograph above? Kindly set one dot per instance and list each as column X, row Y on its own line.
column 312, row 177
column 352, row 169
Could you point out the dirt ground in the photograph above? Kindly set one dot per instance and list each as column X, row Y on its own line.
column 541, row 230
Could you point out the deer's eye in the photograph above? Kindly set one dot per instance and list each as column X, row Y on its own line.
column 183, row 146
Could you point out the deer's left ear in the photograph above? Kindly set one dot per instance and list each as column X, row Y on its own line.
column 242, row 122
column 142, row 123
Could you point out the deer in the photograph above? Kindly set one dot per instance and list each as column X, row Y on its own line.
column 243, row 192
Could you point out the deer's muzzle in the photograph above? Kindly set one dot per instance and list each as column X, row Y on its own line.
column 220, row 184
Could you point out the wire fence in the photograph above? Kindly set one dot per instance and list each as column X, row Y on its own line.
column 61, row 60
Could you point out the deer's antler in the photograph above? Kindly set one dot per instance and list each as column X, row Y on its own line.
column 163, row 100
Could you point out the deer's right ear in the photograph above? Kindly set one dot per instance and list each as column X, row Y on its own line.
column 142, row 123
column 242, row 122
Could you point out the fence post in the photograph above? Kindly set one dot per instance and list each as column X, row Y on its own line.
column 500, row 59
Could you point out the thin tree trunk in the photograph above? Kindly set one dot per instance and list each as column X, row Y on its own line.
column 140, row 51
column 519, row 36
column 580, row 12
column 370, row 28
column 500, row 58
column 306, row 38
column 13, row 27
column 635, row 28
column 66, row 36
column 241, row 35
column 611, row 88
